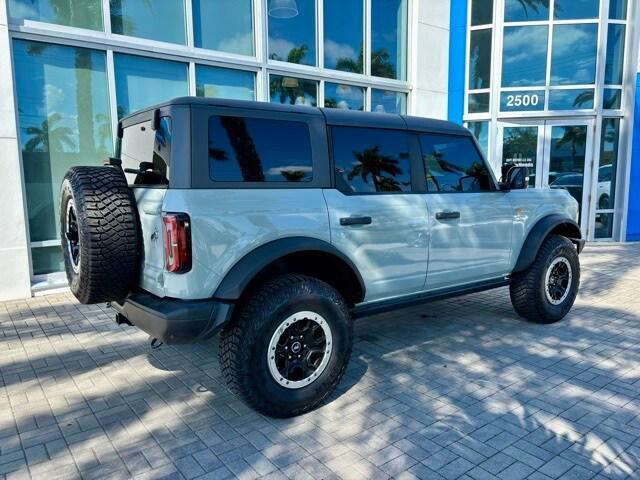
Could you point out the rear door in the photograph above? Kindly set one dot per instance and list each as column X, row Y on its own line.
column 469, row 219
column 374, row 215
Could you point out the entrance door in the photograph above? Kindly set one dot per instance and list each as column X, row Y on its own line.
column 559, row 154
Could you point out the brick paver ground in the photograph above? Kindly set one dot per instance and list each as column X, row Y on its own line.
column 461, row 388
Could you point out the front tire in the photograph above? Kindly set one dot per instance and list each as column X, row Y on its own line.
column 289, row 346
column 546, row 291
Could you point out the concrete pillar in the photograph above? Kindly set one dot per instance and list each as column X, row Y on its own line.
column 15, row 278
column 430, row 62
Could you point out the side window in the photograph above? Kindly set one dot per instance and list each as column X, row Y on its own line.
column 371, row 160
column 259, row 150
column 147, row 153
column 453, row 164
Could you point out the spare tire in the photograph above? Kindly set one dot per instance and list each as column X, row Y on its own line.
column 100, row 233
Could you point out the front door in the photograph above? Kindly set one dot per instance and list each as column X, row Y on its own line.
column 470, row 222
column 558, row 154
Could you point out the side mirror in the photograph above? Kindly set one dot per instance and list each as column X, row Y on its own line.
column 514, row 178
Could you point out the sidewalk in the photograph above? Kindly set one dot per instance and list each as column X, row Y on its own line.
column 460, row 388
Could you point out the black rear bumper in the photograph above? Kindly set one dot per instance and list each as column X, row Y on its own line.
column 172, row 320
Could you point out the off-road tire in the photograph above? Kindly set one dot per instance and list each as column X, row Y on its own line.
column 528, row 288
column 108, row 233
column 244, row 344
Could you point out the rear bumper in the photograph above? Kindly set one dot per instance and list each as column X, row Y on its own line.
column 172, row 320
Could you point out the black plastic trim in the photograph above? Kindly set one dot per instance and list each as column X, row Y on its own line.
column 373, row 308
column 538, row 233
column 251, row 264
column 175, row 321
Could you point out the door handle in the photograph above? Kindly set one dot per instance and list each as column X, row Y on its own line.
column 448, row 215
column 346, row 221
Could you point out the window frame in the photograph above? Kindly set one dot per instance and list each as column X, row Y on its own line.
column 200, row 140
column 493, row 183
column 416, row 187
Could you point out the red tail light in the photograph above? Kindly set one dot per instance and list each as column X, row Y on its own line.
column 176, row 230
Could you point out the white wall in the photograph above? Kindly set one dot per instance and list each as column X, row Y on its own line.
column 430, row 57
column 15, row 281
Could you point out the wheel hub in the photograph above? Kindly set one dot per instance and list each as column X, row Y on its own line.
column 72, row 236
column 299, row 349
column 558, row 280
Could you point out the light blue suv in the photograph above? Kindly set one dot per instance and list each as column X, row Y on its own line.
column 278, row 225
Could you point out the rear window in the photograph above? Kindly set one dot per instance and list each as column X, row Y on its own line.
column 371, row 160
column 259, row 150
column 146, row 153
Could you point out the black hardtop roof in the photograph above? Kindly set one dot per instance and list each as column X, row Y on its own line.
column 334, row 116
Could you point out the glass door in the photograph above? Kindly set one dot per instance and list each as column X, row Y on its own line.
column 559, row 155
column 522, row 145
column 568, row 163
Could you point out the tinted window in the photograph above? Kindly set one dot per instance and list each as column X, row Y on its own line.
column 453, row 164
column 148, row 152
column 258, row 150
column 371, row 160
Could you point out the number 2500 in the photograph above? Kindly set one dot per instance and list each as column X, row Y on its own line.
column 522, row 100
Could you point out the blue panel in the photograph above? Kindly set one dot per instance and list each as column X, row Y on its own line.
column 633, row 215
column 457, row 52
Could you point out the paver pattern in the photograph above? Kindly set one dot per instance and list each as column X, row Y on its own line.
column 460, row 388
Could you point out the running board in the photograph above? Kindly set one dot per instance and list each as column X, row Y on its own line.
column 381, row 306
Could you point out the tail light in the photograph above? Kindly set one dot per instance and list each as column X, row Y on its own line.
column 176, row 229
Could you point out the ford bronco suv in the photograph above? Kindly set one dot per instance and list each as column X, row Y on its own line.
column 278, row 225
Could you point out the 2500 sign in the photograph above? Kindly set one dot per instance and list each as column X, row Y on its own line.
column 523, row 100
column 517, row 101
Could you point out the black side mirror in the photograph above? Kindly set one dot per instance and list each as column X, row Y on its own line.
column 514, row 178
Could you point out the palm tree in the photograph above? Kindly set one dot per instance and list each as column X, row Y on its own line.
column 534, row 5
column 48, row 137
column 370, row 163
column 295, row 55
column 243, row 147
column 380, row 64
column 585, row 97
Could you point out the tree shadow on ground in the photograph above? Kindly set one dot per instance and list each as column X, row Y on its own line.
column 453, row 388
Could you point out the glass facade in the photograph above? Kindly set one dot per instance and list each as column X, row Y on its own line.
column 347, row 97
column 218, row 82
column 223, row 25
column 70, row 98
column 293, row 91
column 389, row 38
column 64, row 120
column 141, row 82
column 557, row 68
column 344, row 35
column 84, row 14
column 293, row 38
column 163, row 21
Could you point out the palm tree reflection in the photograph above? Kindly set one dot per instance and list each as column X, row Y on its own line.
column 48, row 137
column 371, row 163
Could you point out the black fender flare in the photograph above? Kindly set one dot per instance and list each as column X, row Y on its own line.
column 540, row 231
column 239, row 276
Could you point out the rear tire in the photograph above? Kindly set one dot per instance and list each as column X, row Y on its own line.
column 99, row 233
column 258, row 349
column 546, row 291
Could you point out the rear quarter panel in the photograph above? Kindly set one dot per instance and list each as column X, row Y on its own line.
column 531, row 205
column 227, row 224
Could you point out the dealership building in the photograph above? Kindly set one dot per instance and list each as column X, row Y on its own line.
column 550, row 84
